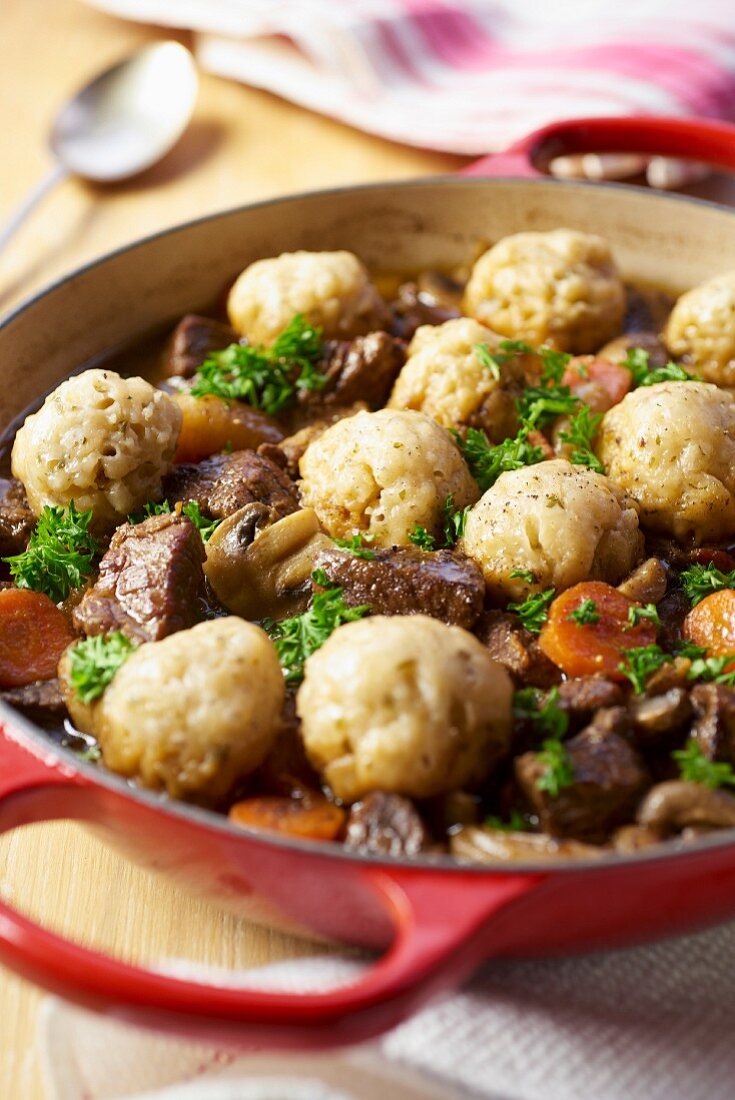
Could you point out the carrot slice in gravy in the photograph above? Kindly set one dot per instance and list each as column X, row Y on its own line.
column 315, row 819
column 33, row 635
column 583, row 638
column 712, row 623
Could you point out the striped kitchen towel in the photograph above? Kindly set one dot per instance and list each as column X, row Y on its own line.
column 471, row 76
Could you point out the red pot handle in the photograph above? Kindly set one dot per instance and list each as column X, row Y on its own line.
column 437, row 942
column 697, row 139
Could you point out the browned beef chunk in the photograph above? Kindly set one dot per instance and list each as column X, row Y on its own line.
column 517, row 649
column 363, row 369
column 431, row 300
column 656, row 717
column 404, row 581
column 40, row 699
column 150, row 584
column 609, row 778
column 386, row 824
column 588, row 694
column 714, row 728
column 288, row 453
column 672, row 610
column 191, row 342
column 225, row 483
column 16, row 518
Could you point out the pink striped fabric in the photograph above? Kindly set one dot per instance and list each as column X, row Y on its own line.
column 466, row 77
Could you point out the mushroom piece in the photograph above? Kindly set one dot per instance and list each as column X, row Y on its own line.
column 479, row 845
column 655, row 714
column 647, row 583
column 676, row 805
column 259, row 569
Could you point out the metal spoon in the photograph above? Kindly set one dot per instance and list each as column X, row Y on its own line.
column 121, row 123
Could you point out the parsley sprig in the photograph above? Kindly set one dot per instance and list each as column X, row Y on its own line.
column 696, row 768
column 699, row 581
column 516, row 823
column 637, row 362
column 640, row 662
column 205, row 526
column 587, row 614
column 533, row 611
column 580, row 436
column 60, row 553
column 454, row 520
column 297, row 638
column 265, row 378
column 648, row 612
column 356, row 546
column 487, row 462
column 94, row 662
column 558, row 769
column 544, row 713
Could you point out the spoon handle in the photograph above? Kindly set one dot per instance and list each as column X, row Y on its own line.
column 57, row 174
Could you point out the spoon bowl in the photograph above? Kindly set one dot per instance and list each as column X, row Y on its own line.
column 121, row 123
column 129, row 116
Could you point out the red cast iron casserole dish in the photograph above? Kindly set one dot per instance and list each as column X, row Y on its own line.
column 437, row 919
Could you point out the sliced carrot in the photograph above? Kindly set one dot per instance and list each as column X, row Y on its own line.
column 33, row 635
column 597, row 382
column 211, row 425
column 583, row 649
column 315, row 819
column 712, row 623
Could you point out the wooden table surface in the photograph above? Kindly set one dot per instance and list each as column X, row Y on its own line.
column 242, row 145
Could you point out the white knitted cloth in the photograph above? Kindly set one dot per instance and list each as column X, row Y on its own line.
column 652, row 1023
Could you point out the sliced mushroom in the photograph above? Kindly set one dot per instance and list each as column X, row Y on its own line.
column 260, row 569
column 498, row 846
column 647, row 583
column 676, row 805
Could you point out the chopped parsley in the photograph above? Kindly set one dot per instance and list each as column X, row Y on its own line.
column 356, row 546
column 454, row 521
column 699, row 581
column 553, row 365
column 694, row 767
column 485, row 358
column 148, row 510
column 205, row 526
column 580, row 436
column 534, row 610
column 641, row 662
column 516, row 823
column 637, row 362
column 297, row 638
column 60, row 553
column 487, row 462
column 558, row 769
column 265, row 378
column 539, row 405
column 648, row 612
column 525, row 575
column 586, row 614
column 422, row 538
column 545, row 714
column 712, row 669
column 94, row 662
